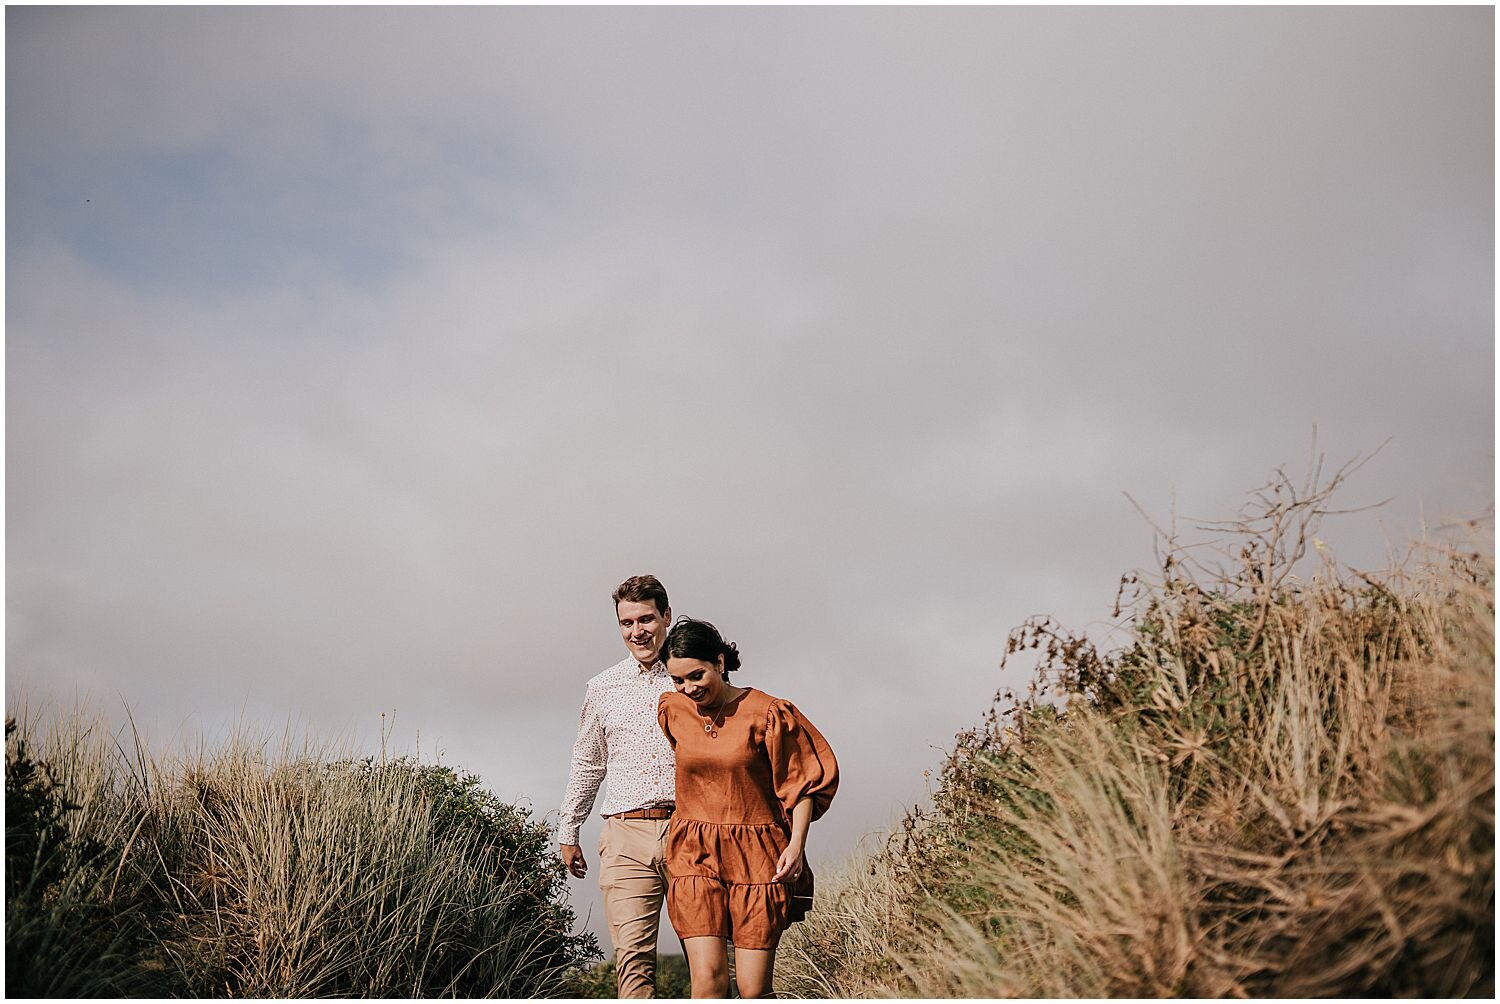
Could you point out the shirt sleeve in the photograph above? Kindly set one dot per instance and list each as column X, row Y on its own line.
column 661, row 720
column 802, row 762
column 590, row 758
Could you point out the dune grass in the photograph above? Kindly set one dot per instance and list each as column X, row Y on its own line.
column 262, row 871
column 1282, row 785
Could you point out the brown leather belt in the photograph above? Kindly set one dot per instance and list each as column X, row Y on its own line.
column 657, row 812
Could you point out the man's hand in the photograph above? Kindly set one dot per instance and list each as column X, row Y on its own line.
column 572, row 856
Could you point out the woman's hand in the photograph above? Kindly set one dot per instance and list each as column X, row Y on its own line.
column 789, row 866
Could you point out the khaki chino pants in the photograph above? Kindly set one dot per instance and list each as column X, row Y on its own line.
column 633, row 877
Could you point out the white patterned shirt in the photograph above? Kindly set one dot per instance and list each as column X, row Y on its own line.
column 618, row 738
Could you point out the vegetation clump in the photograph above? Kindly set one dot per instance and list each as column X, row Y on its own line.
column 1282, row 785
column 62, row 938
column 246, row 873
column 672, row 980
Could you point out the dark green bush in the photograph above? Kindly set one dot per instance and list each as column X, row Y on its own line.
column 63, row 936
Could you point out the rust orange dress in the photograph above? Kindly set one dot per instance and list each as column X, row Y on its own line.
column 739, row 774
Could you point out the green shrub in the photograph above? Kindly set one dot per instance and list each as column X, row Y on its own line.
column 672, row 980
column 247, row 873
column 65, row 934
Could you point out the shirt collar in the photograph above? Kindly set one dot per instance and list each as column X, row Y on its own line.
column 656, row 667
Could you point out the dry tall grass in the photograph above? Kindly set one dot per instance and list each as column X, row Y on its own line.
column 1283, row 786
column 259, row 871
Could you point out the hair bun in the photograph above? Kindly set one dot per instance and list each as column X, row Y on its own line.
column 695, row 639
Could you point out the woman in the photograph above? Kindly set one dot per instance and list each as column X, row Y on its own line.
column 752, row 774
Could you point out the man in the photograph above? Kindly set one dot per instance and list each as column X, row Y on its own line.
column 619, row 740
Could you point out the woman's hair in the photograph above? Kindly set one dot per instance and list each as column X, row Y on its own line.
column 691, row 639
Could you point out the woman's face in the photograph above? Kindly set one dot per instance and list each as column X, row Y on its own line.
column 702, row 681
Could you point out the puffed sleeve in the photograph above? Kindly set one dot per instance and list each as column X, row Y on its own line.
column 802, row 762
column 661, row 719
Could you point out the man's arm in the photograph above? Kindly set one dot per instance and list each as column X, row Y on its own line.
column 590, row 757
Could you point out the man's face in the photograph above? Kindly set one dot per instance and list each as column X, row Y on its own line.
column 644, row 629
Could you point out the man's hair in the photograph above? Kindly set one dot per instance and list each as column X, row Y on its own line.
column 639, row 589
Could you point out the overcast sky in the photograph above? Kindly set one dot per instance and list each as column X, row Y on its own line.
column 354, row 355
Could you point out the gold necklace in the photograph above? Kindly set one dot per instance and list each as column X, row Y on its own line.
column 712, row 725
column 716, row 720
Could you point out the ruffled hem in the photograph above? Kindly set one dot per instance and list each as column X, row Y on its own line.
column 752, row 915
column 733, row 853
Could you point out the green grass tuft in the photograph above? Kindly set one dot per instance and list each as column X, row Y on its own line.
column 253, row 872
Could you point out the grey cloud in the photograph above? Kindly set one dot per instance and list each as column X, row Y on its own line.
column 854, row 326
